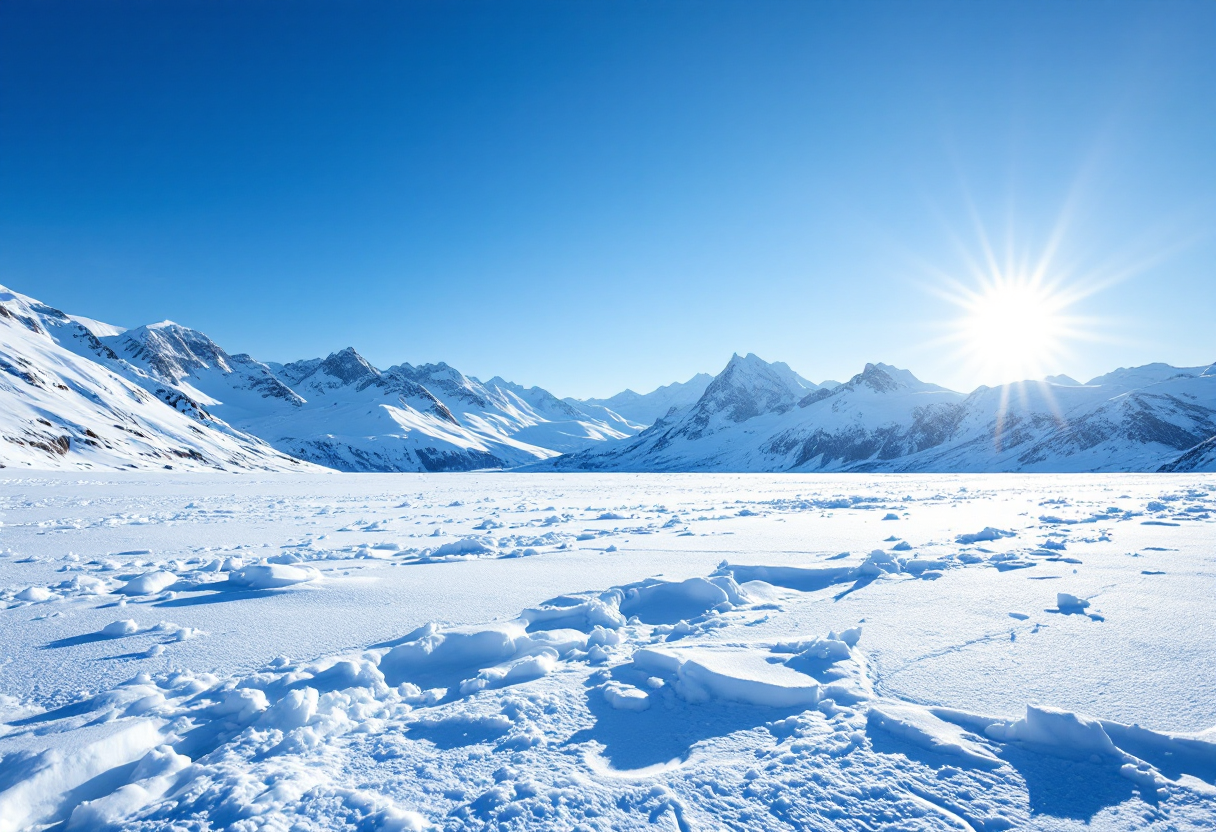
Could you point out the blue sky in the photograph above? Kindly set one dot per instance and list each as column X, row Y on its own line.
column 591, row 195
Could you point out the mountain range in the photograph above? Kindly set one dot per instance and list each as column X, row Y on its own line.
column 77, row 393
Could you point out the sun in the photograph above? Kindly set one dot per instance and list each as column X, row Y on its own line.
column 1014, row 328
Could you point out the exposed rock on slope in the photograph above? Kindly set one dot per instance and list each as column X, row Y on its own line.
column 70, row 402
column 886, row 419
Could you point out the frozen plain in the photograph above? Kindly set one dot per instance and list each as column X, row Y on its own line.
column 303, row 652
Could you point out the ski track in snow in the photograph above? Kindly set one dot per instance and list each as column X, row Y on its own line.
column 393, row 652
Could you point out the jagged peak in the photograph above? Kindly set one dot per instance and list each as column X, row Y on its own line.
column 746, row 387
column 169, row 350
column 438, row 369
column 886, row 378
column 876, row 377
column 348, row 366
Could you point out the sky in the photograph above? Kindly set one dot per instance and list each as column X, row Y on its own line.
column 598, row 195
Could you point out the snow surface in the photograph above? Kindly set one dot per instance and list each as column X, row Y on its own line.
column 388, row 652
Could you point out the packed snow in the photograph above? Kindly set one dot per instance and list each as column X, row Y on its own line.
column 607, row 651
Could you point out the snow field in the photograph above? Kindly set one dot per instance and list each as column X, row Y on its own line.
column 800, row 662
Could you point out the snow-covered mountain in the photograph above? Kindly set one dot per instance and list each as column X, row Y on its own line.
column 886, row 419
column 1130, row 420
column 426, row 418
column 646, row 409
column 68, row 401
column 338, row 411
column 78, row 393
column 754, row 417
column 344, row 413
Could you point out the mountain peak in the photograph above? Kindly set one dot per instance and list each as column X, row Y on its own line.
column 876, row 377
column 348, row 366
column 885, row 378
column 747, row 387
column 169, row 351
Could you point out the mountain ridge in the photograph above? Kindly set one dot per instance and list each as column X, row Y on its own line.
column 70, row 381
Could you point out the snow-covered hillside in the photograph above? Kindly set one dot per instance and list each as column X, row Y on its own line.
column 886, row 419
column 1129, row 420
column 68, row 401
column 1202, row 457
column 343, row 413
column 339, row 411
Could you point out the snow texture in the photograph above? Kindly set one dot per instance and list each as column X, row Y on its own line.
column 309, row 652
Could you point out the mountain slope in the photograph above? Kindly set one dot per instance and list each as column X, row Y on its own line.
column 886, row 419
column 881, row 414
column 69, row 402
column 1130, row 420
column 338, row 411
column 754, row 416
column 354, row 417
column 1202, row 457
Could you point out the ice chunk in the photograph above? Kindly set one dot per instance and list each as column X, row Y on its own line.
column 1065, row 601
column 522, row 670
column 878, row 562
column 1061, row 732
column 919, row 727
column 739, row 674
column 466, row 547
column 292, row 711
column 988, row 533
column 626, row 697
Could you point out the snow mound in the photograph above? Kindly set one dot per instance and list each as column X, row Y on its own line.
column 272, row 575
column 667, row 602
column 466, row 547
column 987, row 534
column 1056, row 731
column 118, row 629
column 738, row 674
column 149, row 583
